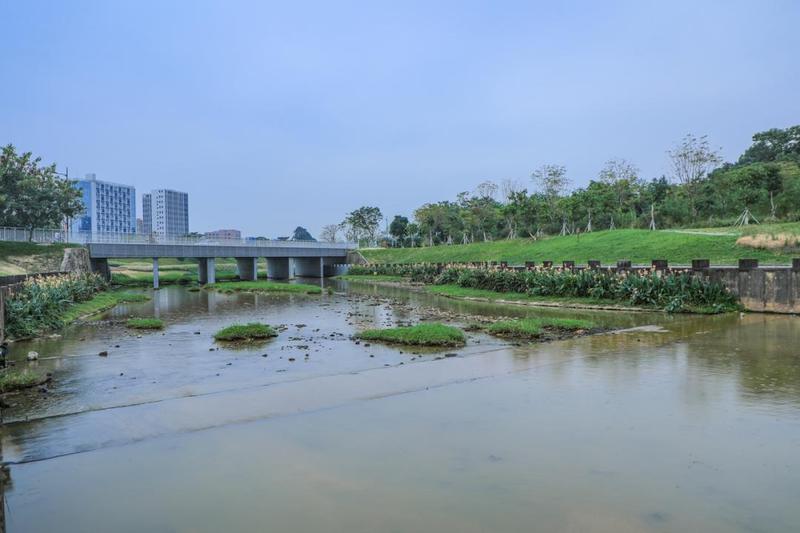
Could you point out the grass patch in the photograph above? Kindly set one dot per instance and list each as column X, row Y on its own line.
column 11, row 381
column 245, row 332
column 100, row 302
column 264, row 286
column 370, row 277
column 639, row 246
column 533, row 328
column 13, row 248
column 454, row 291
column 145, row 323
column 419, row 335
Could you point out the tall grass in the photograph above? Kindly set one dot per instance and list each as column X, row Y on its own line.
column 39, row 304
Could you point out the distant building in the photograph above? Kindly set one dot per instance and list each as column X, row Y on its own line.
column 224, row 234
column 139, row 225
column 108, row 207
column 147, row 214
column 165, row 213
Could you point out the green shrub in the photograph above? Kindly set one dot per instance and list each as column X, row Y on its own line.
column 39, row 304
column 672, row 291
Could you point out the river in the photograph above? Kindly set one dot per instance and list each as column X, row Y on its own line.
column 677, row 423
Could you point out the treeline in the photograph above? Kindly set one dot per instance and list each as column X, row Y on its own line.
column 699, row 190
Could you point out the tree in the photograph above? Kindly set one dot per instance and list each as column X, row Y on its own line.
column 33, row 196
column 330, row 232
column 773, row 145
column 622, row 176
column 552, row 181
column 691, row 160
column 398, row 228
column 301, row 234
column 363, row 224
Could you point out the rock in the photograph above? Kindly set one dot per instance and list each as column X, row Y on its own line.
column 76, row 260
column 451, row 355
column 197, row 333
column 291, row 359
column 33, row 356
column 104, row 353
column 367, row 345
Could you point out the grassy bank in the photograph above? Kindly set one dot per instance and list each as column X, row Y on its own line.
column 264, row 286
column 181, row 276
column 419, row 335
column 639, row 246
column 370, row 277
column 100, row 302
column 29, row 258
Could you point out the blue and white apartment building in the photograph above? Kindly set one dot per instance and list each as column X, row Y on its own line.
column 108, row 207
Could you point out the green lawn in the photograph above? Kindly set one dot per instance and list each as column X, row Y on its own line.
column 419, row 335
column 639, row 246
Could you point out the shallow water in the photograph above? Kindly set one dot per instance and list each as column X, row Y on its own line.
column 693, row 425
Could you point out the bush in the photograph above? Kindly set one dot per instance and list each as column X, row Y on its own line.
column 673, row 291
column 39, row 304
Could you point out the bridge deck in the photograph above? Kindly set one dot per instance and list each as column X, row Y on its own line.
column 290, row 249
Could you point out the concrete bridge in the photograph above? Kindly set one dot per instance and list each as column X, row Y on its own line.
column 284, row 259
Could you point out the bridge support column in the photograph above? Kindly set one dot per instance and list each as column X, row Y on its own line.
column 100, row 266
column 278, row 268
column 202, row 270
column 211, row 270
column 155, row 273
column 308, row 267
column 247, row 267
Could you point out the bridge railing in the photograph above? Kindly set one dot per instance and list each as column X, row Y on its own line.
column 87, row 237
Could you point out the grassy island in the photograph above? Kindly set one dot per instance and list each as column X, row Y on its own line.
column 419, row 335
column 12, row 381
column 535, row 328
column 245, row 332
column 264, row 286
column 145, row 323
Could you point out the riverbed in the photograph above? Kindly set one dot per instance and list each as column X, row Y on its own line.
column 671, row 423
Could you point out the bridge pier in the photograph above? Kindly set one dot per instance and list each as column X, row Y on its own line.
column 278, row 268
column 247, row 268
column 155, row 273
column 206, row 270
column 100, row 266
column 309, row 267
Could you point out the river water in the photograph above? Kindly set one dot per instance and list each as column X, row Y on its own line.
column 680, row 423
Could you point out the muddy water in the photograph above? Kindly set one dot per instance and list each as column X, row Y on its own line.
column 692, row 425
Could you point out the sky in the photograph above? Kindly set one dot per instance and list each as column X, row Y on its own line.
column 274, row 115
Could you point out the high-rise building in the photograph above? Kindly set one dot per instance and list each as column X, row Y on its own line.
column 108, row 207
column 147, row 214
column 165, row 213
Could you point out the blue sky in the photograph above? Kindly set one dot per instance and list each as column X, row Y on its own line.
column 273, row 115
